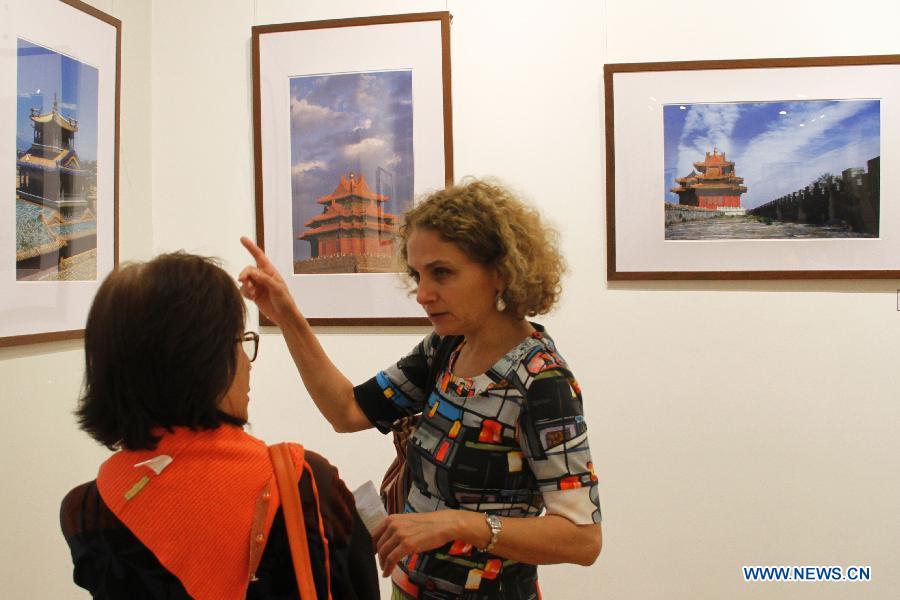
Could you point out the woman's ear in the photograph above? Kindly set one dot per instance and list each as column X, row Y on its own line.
column 500, row 281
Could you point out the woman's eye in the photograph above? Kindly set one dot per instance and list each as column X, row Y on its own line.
column 413, row 275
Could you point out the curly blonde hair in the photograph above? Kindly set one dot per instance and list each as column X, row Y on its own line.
column 495, row 228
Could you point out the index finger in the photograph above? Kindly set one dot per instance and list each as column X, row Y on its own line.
column 256, row 252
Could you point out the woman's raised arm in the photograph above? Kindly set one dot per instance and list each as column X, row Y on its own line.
column 329, row 388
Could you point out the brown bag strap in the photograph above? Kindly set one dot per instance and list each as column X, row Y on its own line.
column 285, row 475
column 397, row 480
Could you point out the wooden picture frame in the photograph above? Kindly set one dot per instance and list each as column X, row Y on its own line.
column 689, row 143
column 63, row 58
column 352, row 122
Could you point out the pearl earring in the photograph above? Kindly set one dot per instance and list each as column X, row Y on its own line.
column 499, row 302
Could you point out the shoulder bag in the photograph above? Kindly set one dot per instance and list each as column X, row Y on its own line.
column 285, row 475
column 396, row 482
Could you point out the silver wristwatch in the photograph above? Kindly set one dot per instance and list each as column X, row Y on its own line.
column 494, row 523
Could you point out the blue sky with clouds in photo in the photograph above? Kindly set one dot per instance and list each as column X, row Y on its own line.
column 777, row 147
column 42, row 74
column 349, row 122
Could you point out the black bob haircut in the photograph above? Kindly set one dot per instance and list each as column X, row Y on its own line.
column 159, row 350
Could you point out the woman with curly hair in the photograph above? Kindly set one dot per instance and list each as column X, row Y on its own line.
column 502, row 477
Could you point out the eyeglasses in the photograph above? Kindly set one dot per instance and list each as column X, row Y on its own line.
column 250, row 342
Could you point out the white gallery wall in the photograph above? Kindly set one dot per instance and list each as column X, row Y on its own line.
column 732, row 423
column 43, row 454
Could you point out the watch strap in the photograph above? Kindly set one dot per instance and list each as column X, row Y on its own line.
column 493, row 521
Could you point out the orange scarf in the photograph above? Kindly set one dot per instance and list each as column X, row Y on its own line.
column 195, row 512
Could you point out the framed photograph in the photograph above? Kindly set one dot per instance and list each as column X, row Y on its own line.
column 753, row 169
column 59, row 108
column 352, row 123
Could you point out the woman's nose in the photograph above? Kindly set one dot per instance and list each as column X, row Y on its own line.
column 424, row 294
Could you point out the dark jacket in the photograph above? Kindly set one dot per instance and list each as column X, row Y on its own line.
column 111, row 563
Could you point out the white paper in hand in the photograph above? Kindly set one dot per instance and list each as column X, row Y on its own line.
column 369, row 506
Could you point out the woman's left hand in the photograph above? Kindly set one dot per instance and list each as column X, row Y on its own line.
column 403, row 534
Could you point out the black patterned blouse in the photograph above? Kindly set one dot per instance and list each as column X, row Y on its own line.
column 511, row 441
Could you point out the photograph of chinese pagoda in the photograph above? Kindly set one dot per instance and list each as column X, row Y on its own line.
column 772, row 170
column 56, row 166
column 351, row 169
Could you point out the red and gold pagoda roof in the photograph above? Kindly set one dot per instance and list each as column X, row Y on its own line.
column 345, row 212
column 715, row 173
column 350, row 185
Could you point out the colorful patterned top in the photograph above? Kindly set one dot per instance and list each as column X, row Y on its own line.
column 511, row 441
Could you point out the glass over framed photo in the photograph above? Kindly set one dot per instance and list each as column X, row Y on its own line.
column 753, row 169
column 59, row 108
column 352, row 122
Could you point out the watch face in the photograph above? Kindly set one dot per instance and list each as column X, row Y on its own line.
column 494, row 522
